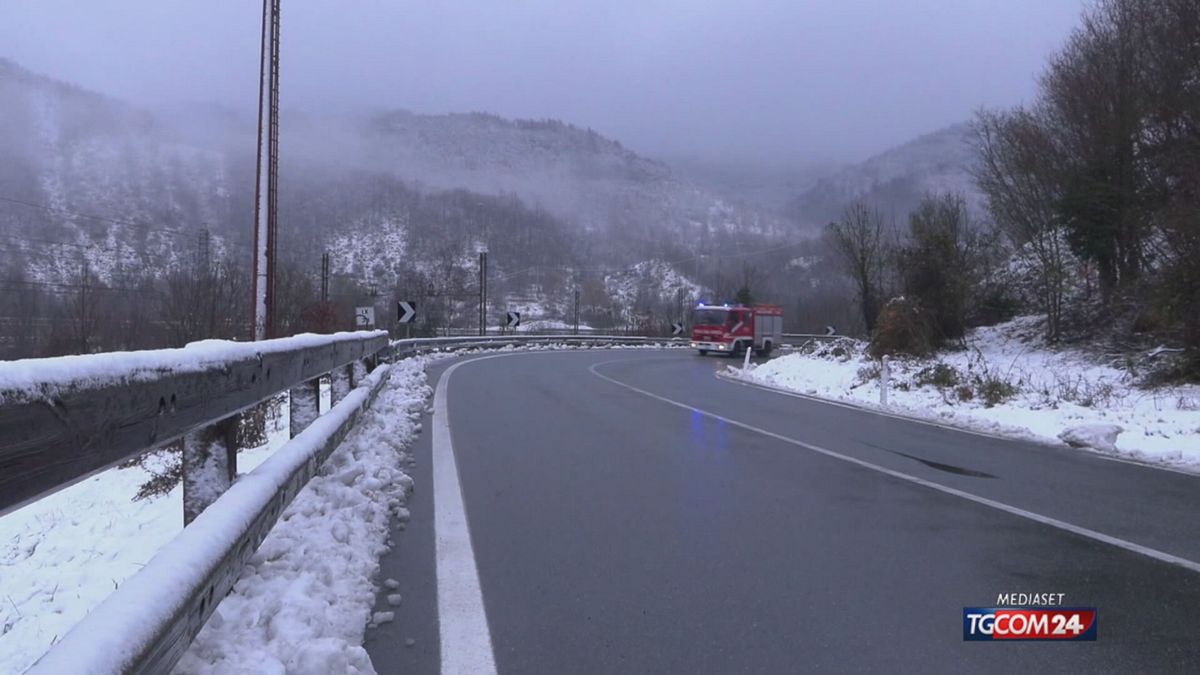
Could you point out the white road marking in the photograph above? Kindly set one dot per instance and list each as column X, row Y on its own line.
column 466, row 642
column 1000, row 506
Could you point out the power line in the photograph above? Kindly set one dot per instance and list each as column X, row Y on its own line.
column 55, row 243
column 92, row 216
column 70, row 289
column 60, row 256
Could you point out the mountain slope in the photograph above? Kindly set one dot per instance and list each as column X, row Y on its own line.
column 896, row 180
column 94, row 187
column 592, row 182
column 88, row 178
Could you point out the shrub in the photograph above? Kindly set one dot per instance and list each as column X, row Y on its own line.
column 994, row 390
column 964, row 392
column 995, row 306
column 868, row 373
column 165, row 467
column 940, row 375
column 904, row 327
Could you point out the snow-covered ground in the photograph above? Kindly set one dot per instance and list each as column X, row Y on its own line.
column 1052, row 391
column 304, row 600
column 307, row 594
column 60, row 556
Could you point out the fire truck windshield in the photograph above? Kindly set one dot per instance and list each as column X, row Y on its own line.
column 709, row 317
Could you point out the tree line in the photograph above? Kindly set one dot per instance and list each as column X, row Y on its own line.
column 1093, row 198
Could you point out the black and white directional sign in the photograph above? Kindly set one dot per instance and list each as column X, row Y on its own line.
column 830, row 330
column 406, row 311
column 514, row 319
column 676, row 328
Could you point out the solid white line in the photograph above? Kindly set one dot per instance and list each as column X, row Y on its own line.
column 1000, row 506
column 466, row 642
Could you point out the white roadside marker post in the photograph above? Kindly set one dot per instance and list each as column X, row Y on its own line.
column 884, row 375
column 746, row 361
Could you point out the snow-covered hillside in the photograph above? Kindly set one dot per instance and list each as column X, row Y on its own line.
column 399, row 200
column 656, row 275
column 896, row 180
column 581, row 176
column 89, row 179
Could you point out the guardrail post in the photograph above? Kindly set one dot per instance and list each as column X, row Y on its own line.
column 884, row 376
column 209, row 465
column 358, row 370
column 339, row 385
column 304, row 405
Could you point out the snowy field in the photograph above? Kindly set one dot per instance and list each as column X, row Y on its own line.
column 1036, row 393
column 62, row 555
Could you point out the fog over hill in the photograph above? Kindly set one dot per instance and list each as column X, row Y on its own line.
column 402, row 202
column 74, row 151
column 895, row 180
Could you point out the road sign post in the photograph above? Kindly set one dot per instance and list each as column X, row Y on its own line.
column 406, row 311
column 364, row 318
column 884, row 376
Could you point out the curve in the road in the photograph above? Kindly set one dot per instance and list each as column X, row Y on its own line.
column 1007, row 508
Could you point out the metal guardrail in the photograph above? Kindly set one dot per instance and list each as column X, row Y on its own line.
column 64, row 419
column 409, row 347
column 148, row 623
column 793, row 338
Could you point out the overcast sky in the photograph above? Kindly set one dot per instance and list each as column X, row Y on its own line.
column 772, row 80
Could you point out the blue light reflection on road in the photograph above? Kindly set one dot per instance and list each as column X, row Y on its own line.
column 709, row 434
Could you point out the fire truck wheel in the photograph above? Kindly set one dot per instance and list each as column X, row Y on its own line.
column 703, row 352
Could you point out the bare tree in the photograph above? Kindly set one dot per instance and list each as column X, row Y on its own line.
column 83, row 311
column 860, row 241
column 207, row 302
column 1017, row 171
column 941, row 262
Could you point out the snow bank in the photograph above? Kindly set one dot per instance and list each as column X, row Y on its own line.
column 1052, row 391
column 304, row 600
column 1097, row 436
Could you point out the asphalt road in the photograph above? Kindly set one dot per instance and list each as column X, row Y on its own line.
column 629, row 512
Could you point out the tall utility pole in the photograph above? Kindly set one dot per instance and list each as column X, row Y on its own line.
column 202, row 240
column 267, row 177
column 483, row 291
column 325, row 277
column 576, row 310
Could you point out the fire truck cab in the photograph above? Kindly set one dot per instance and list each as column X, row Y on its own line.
column 731, row 329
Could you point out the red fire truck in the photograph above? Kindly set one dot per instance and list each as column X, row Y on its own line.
column 731, row 329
